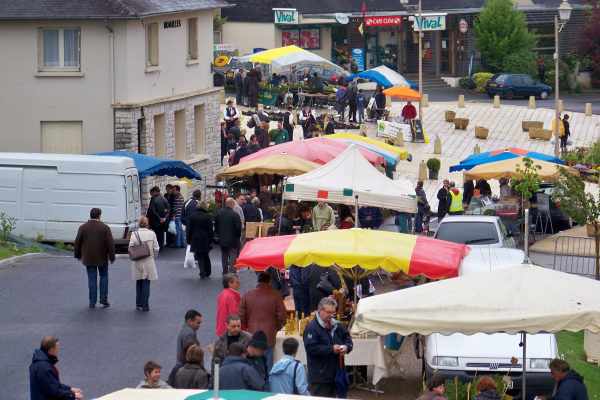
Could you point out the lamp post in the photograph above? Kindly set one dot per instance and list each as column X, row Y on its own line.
column 564, row 14
column 420, row 33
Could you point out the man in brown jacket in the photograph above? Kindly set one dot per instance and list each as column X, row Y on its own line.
column 262, row 309
column 95, row 247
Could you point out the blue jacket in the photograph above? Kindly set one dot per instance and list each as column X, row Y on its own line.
column 299, row 276
column 322, row 362
column 44, row 383
column 282, row 377
column 571, row 388
column 237, row 373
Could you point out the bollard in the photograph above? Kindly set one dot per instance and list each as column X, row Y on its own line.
column 461, row 101
column 425, row 100
column 588, row 109
column 476, row 149
column 437, row 145
column 496, row 101
column 561, row 106
column 532, row 102
column 422, row 171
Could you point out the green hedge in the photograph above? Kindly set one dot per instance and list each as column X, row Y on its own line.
column 481, row 79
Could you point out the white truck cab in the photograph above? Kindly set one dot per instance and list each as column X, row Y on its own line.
column 468, row 357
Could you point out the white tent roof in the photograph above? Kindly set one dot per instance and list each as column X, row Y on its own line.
column 523, row 298
column 301, row 57
column 349, row 175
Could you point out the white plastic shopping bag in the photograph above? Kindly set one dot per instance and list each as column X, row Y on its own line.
column 172, row 228
column 190, row 261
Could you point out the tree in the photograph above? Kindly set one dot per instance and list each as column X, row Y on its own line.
column 589, row 44
column 582, row 207
column 527, row 182
column 501, row 34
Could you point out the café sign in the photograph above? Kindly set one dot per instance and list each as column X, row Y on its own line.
column 429, row 22
column 384, row 20
column 286, row 16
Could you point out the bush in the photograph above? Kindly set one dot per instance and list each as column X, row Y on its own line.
column 434, row 164
column 7, row 225
column 522, row 62
column 481, row 79
column 593, row 154
column 466, row 83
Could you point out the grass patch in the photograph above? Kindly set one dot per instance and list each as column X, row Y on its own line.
column 570, row 345
column 8, row 249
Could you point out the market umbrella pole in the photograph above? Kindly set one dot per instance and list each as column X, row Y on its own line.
column 524, row 378
column 281, row 211
column 356, row 211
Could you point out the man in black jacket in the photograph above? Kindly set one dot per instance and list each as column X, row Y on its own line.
column 44, row 380
column 200, row 236
column 190, row 206
column 158, row 213
column 325, row 341
column 228, row 226
column 95, row 247
column 443, row 197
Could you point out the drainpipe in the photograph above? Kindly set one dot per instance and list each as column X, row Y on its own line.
column 111, row 45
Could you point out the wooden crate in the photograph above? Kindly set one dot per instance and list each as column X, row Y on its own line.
column 461, row 123
column 527, row 125
column 449, row 116
column 481, row 132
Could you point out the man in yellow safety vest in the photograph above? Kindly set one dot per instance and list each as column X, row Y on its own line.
column 456, row 200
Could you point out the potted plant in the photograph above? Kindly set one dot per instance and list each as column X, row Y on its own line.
column 527, row 182
column 433, row 165
column 582, row 207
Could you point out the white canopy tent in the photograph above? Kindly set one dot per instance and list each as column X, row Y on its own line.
column 520, row 299
column 350, row 179
column 284, row 58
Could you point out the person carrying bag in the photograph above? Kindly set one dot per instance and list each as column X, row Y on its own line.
column 143, row 246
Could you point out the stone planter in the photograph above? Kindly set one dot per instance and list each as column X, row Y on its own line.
column 449, row 116
column 540, row 133
column 433, row 174
column 591, row 346
column 527, row 125
column 481, row 132
column 461, row 123
column 591, row 232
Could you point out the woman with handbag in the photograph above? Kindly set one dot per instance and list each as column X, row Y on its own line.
column 143, row 246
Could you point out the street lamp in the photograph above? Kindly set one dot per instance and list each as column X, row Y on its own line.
column 564, row 14
column 420, row 32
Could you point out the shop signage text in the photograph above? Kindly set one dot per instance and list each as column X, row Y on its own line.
column 386, row 20
column 286, row 15
column 358, row 56
column 429, row 23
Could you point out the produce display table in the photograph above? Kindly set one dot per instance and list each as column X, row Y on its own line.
column 366, row 351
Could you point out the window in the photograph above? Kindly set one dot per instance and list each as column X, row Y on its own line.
column 62, row 137
column 477, row 233
column 199, row 121
column 60, row 49
column 136, row 188
column 130, row 189
column 152, row 44
column 180, row 142
column 193, row 39
column 160, row 146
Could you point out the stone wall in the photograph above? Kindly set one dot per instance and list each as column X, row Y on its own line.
column 207, row 163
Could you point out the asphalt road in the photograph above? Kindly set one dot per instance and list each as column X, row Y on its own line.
column 101, row 350
column 572, row 102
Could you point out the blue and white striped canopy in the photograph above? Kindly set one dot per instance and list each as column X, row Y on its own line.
column 385, row 77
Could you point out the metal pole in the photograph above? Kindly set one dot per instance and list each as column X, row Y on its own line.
column 421, row 63
column 282, row 200
column 556, row 88
column 356, row 211
column 524, row 377
column 526, row 235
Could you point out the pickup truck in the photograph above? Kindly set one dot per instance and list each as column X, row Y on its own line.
column 475, row 230
column 467, row 357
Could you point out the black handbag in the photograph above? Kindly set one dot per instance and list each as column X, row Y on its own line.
column 140, row 250
column 325, row 285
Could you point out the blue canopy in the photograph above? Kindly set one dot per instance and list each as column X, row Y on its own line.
column 385, row 77
column 502, row 154
column 151, row 166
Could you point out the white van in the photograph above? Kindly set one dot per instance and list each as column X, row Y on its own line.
column 468, row 357
column 51, row 195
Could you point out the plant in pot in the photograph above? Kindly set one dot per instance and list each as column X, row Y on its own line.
column 433, row 165
column 527, row 182
column 582, row 207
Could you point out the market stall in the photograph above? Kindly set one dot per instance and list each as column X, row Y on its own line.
column 385, row 77
column 275, row 164
column 502, row 154
column 510, row 168
column 350, row 179
column 390, row 153
column 533, row 300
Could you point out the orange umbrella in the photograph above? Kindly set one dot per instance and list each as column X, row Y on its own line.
column 402, row 93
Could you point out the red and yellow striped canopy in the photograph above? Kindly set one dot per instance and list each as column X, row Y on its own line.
column 347, row 248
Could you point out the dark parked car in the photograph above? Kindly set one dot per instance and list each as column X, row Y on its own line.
column 509, row 86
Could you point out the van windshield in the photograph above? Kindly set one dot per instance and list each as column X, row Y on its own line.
column 468, row 232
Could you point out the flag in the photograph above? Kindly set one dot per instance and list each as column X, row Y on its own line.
column 322, row 194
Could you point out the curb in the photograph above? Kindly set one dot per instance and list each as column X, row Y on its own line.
column 13, row 259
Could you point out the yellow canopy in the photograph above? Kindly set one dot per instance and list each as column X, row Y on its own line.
column 267, row 56
column 276, row 164
column 400, row 151
column 508, row 169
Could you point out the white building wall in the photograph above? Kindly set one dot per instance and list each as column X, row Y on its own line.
column 26, row 98
column 246, row 36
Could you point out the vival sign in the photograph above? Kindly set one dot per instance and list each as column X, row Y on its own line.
column 286, row 16
column 429, row 22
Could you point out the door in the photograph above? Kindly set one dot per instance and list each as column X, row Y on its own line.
column 133, row 198
column 529, row 87
column 445, row 52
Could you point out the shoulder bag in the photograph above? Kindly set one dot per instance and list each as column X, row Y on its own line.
column 139, row 250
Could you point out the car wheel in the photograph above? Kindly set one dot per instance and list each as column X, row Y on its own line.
column 544, row 95
column 509, row 95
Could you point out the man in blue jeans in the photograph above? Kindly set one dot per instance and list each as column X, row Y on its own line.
column 95, row 247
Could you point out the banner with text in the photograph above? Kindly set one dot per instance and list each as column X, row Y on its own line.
column 429, row 23
column 286, row 16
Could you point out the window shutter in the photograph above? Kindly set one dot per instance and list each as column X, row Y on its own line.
column 193, row 38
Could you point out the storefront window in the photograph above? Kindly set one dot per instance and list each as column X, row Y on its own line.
column 307, row 38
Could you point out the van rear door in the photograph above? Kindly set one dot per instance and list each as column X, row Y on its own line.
column 133, row 197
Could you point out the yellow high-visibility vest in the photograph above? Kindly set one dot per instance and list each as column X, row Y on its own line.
column 456, row 205
column 561, row 127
